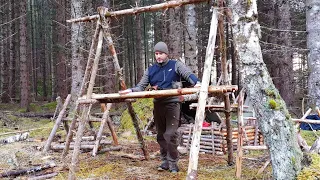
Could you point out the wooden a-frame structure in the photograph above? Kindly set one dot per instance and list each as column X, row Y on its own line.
column 84, row 104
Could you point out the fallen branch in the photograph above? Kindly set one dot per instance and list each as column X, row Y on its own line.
column 26, row 171
column 45, row 176
column 28, row 130
column 15, row 138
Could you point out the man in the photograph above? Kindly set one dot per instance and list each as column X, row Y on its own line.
column 166, row 74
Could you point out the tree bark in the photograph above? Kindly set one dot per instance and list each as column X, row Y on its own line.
column 313, row 39
column 24, row 63
column 274, row 119
column 190, row 44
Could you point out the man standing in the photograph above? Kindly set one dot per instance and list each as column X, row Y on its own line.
column 166, row 74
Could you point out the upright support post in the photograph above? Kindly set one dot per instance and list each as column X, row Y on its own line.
column 240, row 136
column 106, row 31
column 86, row 111
column 195, row 144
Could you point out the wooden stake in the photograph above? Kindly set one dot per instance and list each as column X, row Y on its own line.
column 240, row 137
column 195, row 145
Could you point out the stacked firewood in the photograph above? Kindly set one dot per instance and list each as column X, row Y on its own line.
column 213, row 138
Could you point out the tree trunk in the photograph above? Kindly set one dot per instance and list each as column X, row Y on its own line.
column 174, row 36
column 80, row 34
column 190, row 44
column 313, row 39
column 274, row 119
column 12, row 56
column 24, row 67
column 60, row 53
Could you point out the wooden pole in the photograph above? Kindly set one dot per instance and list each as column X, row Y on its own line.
column 85, row 112
column 75, row 111
column 159, row 93
column 240, row 137
column 106, row 32
column 195, row 145
column 137, row 10
column 56, row 125
column 105, row 118
column 224, row 69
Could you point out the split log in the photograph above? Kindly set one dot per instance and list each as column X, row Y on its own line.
column 32, row 114
column 137, row 10
column 26, row 171
column 240, row 138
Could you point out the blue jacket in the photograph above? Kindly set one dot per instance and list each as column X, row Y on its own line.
column 164, row 76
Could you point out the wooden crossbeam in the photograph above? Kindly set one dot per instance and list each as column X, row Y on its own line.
column 137, row 10
column 159, row 93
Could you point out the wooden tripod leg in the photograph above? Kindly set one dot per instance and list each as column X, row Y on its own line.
column 105, row 118
column 56, row 125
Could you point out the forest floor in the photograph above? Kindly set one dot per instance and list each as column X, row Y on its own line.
column 121, row 164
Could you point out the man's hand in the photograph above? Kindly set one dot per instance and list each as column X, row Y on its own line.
column 198, row 84
column 125, row 91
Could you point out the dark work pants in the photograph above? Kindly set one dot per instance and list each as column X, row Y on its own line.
column 166, row 118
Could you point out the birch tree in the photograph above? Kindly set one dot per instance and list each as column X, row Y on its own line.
column 190, row 45
column 313, row 44
column 271, row 111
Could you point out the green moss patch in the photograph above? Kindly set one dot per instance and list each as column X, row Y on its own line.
column 144, row 110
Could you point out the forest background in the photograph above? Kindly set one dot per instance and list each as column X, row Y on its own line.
column 43, row 57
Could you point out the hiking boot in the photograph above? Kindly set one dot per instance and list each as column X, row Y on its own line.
column 173, row 167
column 164, row 166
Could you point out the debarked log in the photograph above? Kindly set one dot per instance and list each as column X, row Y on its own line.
column 105, row 98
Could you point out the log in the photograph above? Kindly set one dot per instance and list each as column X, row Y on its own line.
column 44, row 176
column 22, row 131
column 137, row 10
column 106, row 98
column 255, row 147
column 15, row 138
column 19, row 172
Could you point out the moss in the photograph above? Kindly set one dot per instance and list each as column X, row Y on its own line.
column 270, row 92
column 143, row 108
column 310, row 136
column 311, row 172
column 273, row 104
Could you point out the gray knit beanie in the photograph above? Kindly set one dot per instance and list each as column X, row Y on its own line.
column 162, row 47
